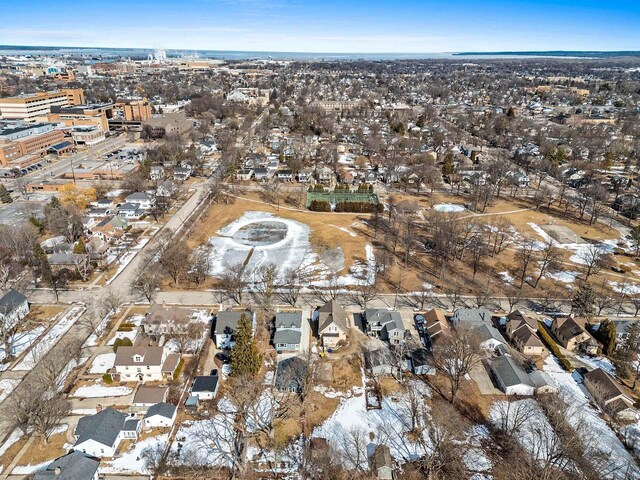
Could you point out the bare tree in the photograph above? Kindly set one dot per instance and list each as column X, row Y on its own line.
column 294, row 279
column 594, row 259
column 455, row 356
column 146, row 283
column 233, row 282
column 199, row 266
column 525, row 256
column 549, row 260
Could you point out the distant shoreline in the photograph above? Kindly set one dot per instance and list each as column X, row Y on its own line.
column 138, row 53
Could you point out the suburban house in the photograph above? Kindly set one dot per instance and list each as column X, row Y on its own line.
column 623, row 328
column 141, row 199
column 181, row 174
column 285, row 175
column 225, row 326
column 434, row 322
column 478, row 321
column 324, row 175
column 261, row 174
column 381, row 463
column 572, row 335
column 288, row 332
column 147, row 397
column 379, row 362
column 144, row 364
column 99, row 435
column 13, row 308
column 608, row 394
column 131, row 211
column 521, row 330
column 161, row 320
column 72, row 466
column 204, row 387
column 291, row 374
column 156, row 172
column 305, row 175
column 419, row 362
column 510, row 376
column 244, row 174
column 160, row 415
column 333, row 324
column 385, row 325
column 110, row 229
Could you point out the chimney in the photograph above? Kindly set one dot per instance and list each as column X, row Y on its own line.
column 57, row 471
column 98, row 408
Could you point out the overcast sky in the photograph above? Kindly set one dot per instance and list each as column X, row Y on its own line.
column 371, row 26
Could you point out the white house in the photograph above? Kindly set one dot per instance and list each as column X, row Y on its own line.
column 144, row 364
column 204, row 387
column 226, row 324
column 99, row 435
column 13, row 307
column 160, row 415
column 142, row 199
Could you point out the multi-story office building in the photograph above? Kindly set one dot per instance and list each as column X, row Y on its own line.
column 33, row 105
column 20, row 140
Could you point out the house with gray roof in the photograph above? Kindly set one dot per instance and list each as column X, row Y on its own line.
column 510, row 376
column 288, row 331
column 72, row 466
column 13, row 308
column 226, row 324
column 385, row 324
column 141, row 199
column 160, row 415
column 204, row 387
column 333, row 324
column 99, row 435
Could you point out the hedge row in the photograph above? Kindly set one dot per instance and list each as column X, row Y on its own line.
column 319, row 206
column 358, row 207
column 553, row 346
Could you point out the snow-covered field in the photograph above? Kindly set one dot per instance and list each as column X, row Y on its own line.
column 102, row 363
column 6, row 387
column 99, row 391
column 131, row 461
column 599, row 438
column 50, row 338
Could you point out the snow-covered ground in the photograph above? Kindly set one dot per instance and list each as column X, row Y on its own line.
column 21, row 341
column 294, row 251
column 131, row 461
column 102, row 363
column 98, row 391
column 564, row 277
column 449, row 208
column 389, row 425
column 506, row 277
column 598, row 437
column 126, row 258
column 598, row 362
column 50, row 338
column 623, row 287
column 6, row 387
column 29, row 469
column 535, row 434
column 581, row 251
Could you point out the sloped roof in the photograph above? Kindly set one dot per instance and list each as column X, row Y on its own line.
column 227, row 322
column 288, row 320
column 11, row 301
column 527, row 337
column 205, row 383
column 568, row 327
column 150, row 356
column 287, row 335
column 388, row 318
column 332, row 313
column 163, row 409
column 102, row 427
column 610, row 388
column 73, row 466
column 509, row 371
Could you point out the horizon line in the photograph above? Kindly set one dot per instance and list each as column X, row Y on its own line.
column 465, row 52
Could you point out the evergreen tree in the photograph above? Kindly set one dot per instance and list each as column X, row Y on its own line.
column 80, row 246
column 246, row 359
column 583, row 301
column 5, row 196
column 606, row 335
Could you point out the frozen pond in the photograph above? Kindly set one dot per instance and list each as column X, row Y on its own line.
column 261, row 233
column 258, row 239
column 448, row 207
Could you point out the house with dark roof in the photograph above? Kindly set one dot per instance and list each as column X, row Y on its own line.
column 291, row 374
column 385, row 324
column 13, row 308
column 160, row 415
column 72, row 466
column 572, row 336
column 609, row 395
column 434, row 322
column 99, row 435
column 204, row 387
column 226, row 324
column 420, row 361
column 510, row 376
column 379, row 361
column 288, row 333
column 144, row 364
column 333, row 324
